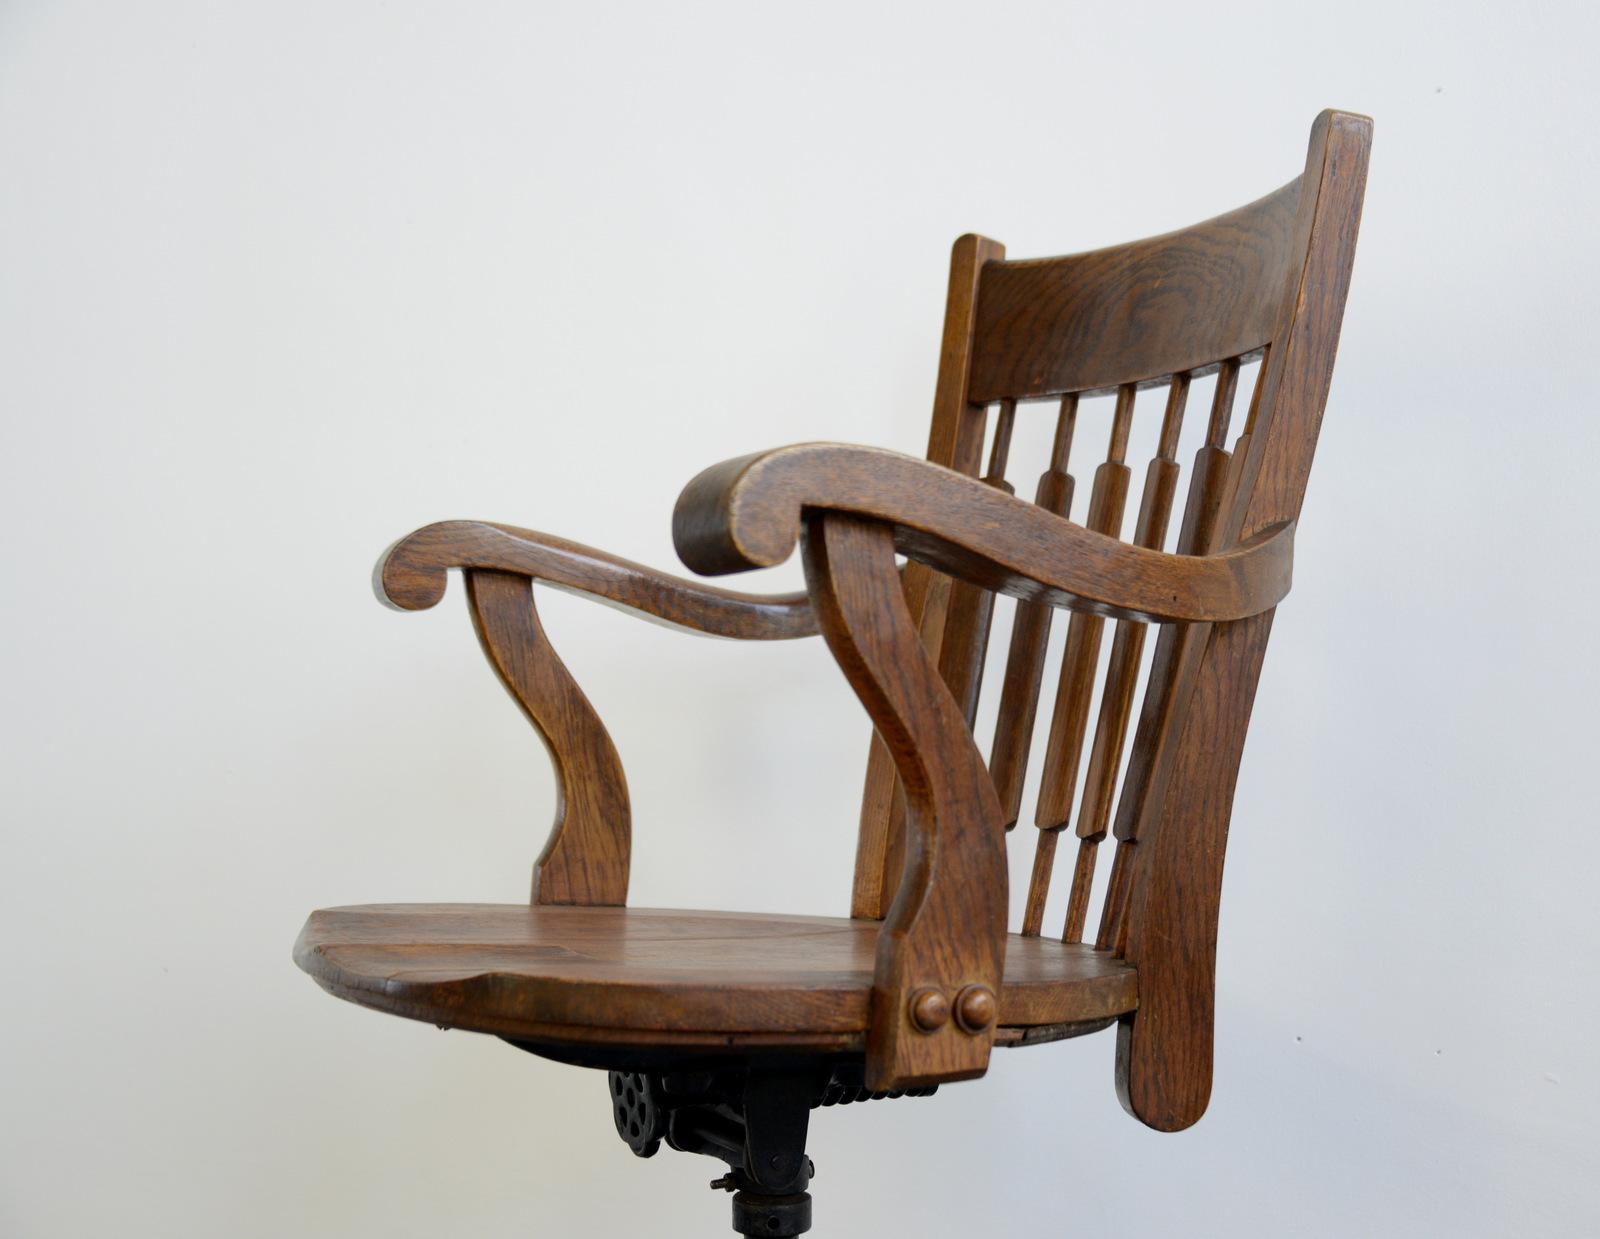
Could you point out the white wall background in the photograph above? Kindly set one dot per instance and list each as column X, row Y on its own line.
column 280, row 281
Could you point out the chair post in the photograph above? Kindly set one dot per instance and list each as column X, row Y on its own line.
column 586, row 857
column 754, row 1116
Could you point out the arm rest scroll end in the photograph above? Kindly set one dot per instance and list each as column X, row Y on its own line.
column 729, row 518
column 406, row 578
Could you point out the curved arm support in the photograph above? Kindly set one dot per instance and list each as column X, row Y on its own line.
column 585, row 860
column 746, row 513
column 411, row 577
column 941, row 950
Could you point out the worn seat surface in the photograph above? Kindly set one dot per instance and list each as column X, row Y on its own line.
column 651, row 977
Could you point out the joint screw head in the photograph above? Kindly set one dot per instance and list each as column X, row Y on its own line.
column 975, row 1008
column 930, row 1010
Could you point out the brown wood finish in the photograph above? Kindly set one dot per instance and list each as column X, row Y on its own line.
column 585, row 860
column 746, row 513
column 946, row 928
column 621, row 975
column 923, row 979
column 955, row 439
column 1207, row 487
column 1078, row 664
column 411, row 577
column 881, row 836
column 1177, row 304
column 1030, row 632
column 1164, row 1056
column 1116, row 701
column 970, row 609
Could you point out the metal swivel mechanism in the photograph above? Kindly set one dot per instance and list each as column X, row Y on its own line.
column 753, row 1117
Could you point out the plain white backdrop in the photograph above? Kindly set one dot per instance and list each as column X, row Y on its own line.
column 281, row 281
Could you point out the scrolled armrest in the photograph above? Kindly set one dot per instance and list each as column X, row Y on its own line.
column 587, row 855
column 746, row 513
column 410, row 576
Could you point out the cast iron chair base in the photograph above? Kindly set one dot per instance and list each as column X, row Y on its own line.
column 752, row 1116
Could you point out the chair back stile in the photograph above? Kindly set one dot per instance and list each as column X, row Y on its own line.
column 955, row 440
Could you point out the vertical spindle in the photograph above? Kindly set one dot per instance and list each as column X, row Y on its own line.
column 1210, row 482
column 1122, row 670
column 1069, row 720
column 1030, row 632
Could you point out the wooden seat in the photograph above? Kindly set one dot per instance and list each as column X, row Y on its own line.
column 721, row 1030
column 650, row 978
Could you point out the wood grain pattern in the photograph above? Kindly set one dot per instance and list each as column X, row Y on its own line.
column 1030, row 634
column 881, row 839
column 1068, row 723
column 946, row 928
column 1122, row 670
column 745, row 513
column 1207, row 486
column 586, row 858
column 1080, row 657
column 924, row 980
column 621, row 975
column 955, row 439
column 970, row 609
column 1174, row 304
column 410, row 576
column 1164, row 1055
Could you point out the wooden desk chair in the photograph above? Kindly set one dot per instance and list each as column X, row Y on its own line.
column 721, row 1031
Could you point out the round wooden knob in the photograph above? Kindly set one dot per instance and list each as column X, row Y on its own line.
column 975, row 1008
column 930, row 1010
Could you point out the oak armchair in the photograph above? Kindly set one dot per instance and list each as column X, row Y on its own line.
column 721, row 1031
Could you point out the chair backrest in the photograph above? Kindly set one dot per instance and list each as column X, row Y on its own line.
column 1255, row 298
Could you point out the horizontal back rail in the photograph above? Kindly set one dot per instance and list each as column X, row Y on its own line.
column 1135, row 313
